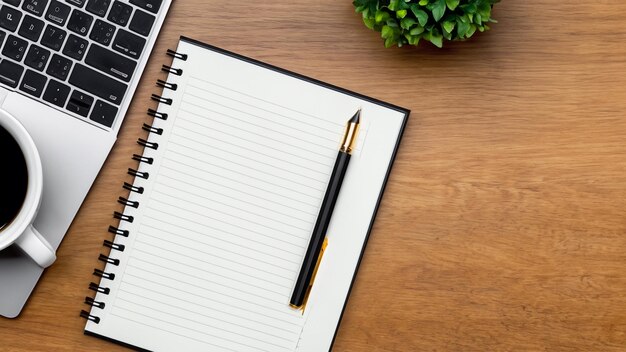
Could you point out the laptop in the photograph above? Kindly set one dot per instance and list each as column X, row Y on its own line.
column 68, row 71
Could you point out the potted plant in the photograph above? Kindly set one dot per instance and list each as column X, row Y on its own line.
column 410, row 21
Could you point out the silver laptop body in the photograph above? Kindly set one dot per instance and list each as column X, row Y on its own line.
column 73, row 113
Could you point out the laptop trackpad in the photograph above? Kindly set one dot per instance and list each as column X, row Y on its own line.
column 72, row 153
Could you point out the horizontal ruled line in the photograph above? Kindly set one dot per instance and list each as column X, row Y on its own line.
column 230, row 306
column 238, row 217
column 162, row 303
column 250, row 150
column 256, row 206
column 241, row 138
column 328, row 147
column 201, row 279
column 266, row 101
column 154, row 309
column 241, row 183
column 246, row 157
column 223, row 123
column 170, row 260
column 219, row 239
column 143, row 323
column 186, row 255
column 233, row 225
column 210, row 200
column 273, row 112
column 244, row 166
column 177, row 179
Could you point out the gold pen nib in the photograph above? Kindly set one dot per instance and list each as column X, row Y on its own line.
column 349, row 137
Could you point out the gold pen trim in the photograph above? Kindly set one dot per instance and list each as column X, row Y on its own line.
column 308, row 290
column 349, row 138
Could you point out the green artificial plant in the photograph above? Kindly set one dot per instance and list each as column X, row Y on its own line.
column 408, row 21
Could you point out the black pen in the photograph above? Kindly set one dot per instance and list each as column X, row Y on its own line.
column 312, row 256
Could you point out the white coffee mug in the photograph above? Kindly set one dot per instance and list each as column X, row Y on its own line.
column 21, row 231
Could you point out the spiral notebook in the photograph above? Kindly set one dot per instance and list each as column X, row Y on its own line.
column 224, row 199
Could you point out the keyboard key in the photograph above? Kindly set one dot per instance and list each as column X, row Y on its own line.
column 59, row 67
column 53, row 37
column 150, row 5
column 102, row 32
column 128, row 44
column 75, row 47
column 103, row 113
column 98, row 84
column 79, row 103
column 78, row 3
column 13, row 2
column 141, row 23
column 120, row 13
column 15, row 48
column 56, row 93
column 98, row 7
column 110, row 62
column 37, row 57
column 31, row 28
column 10, row 73
column 33, row 83
column 9, row 18
column 35, row 7
column 79, row 22
column 2, row 35
column 57, row 13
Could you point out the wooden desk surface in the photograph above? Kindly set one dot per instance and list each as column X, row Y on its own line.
column 503, row 226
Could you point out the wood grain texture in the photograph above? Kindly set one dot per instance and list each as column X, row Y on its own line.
column 502, row 227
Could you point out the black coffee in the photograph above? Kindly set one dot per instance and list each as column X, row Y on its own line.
column 13, row 178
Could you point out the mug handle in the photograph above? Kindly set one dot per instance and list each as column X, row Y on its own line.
column 32, row 243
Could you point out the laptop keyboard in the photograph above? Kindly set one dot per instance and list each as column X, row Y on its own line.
column 76, row 55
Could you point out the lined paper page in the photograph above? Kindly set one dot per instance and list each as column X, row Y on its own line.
column 220, row 232
column 227, row 222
